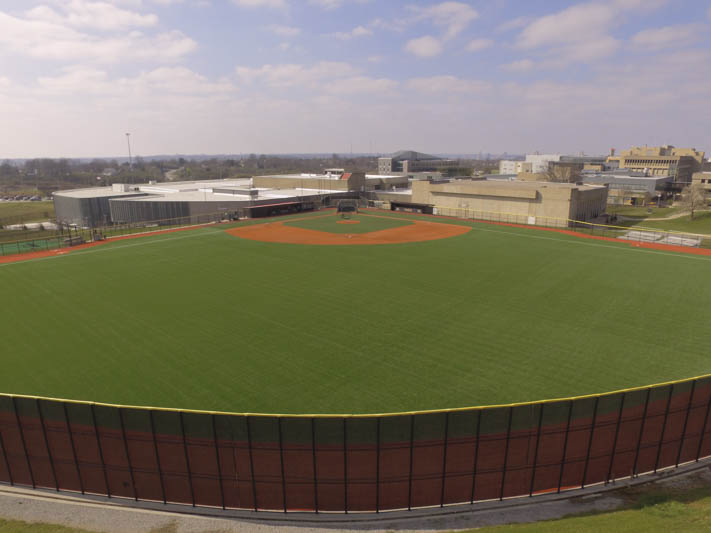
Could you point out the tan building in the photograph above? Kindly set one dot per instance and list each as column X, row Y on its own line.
column 661, row 161
column 704, row 178
column 546, row 204
column 332, row 181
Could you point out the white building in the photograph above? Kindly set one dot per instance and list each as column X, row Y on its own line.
column 539, row 162
column 534, row 163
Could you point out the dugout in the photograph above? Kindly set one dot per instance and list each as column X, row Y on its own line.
column 409, row 207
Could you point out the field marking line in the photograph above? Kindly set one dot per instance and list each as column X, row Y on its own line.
column 630, row 247
column 108, row 248
column 575, row 240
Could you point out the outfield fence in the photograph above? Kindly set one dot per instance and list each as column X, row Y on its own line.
column 355, row 463
column 68, row 237
column 635, row 233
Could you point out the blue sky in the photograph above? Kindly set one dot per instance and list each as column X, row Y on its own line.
column 278, row 76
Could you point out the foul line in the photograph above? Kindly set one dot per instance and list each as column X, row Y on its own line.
column 630, row 246
column 109, row 248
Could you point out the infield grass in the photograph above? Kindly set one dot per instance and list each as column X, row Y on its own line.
column 204, row 320
column 333, row 223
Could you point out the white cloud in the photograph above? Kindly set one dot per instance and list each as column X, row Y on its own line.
column 101, row 16
column 358, row 31
column 291, row 75
column 573, row 24
column 49, row 40
column 284, row 31
column 327, row 4
column 476, row 45
column 513, row 24
column 446, row 84
column 426, row 46
column 333, row 4
column 668, row 36
column 360, row 85
column 252, row 4
column 521, row 65
column 162, row 80
column 579, row 33
column 325, row 77
column 454, row 17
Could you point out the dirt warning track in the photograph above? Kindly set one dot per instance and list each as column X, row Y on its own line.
column 418, row 231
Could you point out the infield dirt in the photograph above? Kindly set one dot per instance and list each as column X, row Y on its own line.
column 418, row 231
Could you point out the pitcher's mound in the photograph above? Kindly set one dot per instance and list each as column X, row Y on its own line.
column 348, row 222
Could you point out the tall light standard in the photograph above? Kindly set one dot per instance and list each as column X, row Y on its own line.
column 130, row 159
column 128, row 141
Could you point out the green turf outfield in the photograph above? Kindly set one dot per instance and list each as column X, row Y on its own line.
column 205, row 320
column 334, row 223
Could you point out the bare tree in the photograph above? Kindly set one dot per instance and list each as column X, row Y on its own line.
column 562, row 173
column 694, row 197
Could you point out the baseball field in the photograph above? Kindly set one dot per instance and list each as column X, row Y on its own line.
column 239, row 318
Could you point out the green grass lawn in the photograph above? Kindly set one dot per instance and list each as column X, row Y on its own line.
column 652, row 510
column 333, row 223
column 701, row 223
column 204, row 320
column 13, row 212
column 633, row 211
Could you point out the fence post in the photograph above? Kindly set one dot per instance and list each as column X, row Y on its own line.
column 377, row 466
column 686, row 422
column 506, row 454
column 664, row 427
column 46, row 444
column 281, row 463
column 590, row 441
column 444, row 457
column 4, row 456
column 409, row 482
column 187, row 458
column 217, row 458
column 535, row 453
column 24, row 445
column 128, row 456
column 74, row 450
column 345, row 463
column 313, row 451
column 565, row 445
column 101, row 453
column 617, row 433
column 703, row 429
column 641, row 432
column 155, row 449
column 476, row 454
column 251, row 464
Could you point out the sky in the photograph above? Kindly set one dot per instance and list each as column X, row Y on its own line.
column 322, row 76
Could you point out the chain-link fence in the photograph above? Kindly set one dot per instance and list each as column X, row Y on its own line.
column 71, row 236
column 633, row 232
column 352, row 463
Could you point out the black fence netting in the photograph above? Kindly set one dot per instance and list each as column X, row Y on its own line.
column 351, row 463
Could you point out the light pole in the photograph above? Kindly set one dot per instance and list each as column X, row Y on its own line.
column 128, row 142
column 130, row 159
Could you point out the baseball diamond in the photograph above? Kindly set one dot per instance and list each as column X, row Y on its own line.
column 418, row 317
